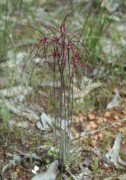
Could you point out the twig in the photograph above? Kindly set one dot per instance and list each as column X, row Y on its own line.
column 29, row 156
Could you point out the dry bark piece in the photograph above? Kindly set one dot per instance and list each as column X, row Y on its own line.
column 44, row 123
column 111, row 6
column 113, row 155
column 122, row 177
column 31, row 115
column 15, row 91
column 50, row 174
column 114, row 102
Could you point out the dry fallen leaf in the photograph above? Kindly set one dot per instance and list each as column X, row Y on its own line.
column 100, row 120
column 94, row 143
column 88, row 128
column 91, row 116
column 105, row 120
column 100, row 136
column 93, row 125
column 116, row 118
column 107, row 114
column 80, row 118
column 95, row 137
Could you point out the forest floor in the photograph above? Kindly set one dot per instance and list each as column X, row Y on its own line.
column 99, row 117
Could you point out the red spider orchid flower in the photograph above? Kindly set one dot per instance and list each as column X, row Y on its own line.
column 43, row 40
column 70, row 45
column 63, row 29
column 76, row 58
column 55, row 40
column 56, row 52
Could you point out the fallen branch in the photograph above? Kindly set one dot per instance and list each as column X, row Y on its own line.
column 26, row 156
